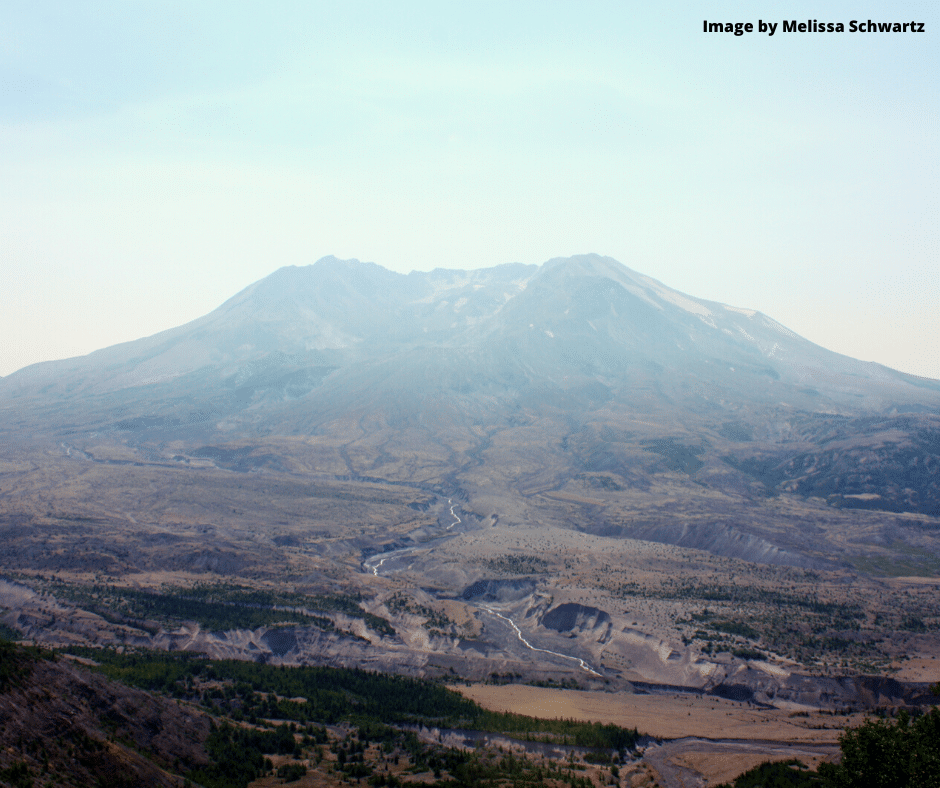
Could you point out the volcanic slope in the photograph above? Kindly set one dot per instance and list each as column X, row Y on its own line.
column 503, row 381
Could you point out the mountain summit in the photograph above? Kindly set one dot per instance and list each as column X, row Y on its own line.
column 585, row 320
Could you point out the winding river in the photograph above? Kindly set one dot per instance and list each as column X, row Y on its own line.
column 453, row 514
column 375, row 562
column 581, row 662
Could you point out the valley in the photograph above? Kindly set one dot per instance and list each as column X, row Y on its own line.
column 676, row 641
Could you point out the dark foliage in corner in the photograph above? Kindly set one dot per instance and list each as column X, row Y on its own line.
column 903, row 753
column 16, row 664
column 900, row 753
column 776, row 774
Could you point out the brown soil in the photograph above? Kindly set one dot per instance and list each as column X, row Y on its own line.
column 918, row 669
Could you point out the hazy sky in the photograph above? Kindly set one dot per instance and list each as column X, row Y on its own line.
column 157, row 157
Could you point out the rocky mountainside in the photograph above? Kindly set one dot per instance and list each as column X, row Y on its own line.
column 585, row 344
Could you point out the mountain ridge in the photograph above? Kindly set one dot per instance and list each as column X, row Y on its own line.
column 333, row 307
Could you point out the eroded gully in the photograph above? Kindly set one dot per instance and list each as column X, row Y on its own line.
column 374, row 564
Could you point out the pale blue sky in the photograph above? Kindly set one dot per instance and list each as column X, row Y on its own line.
column 157, row 157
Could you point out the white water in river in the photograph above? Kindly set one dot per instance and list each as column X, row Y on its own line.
column 457, row 520
column 373, row 564
column 512, row 623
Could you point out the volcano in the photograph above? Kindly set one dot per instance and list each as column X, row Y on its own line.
column 500, row 381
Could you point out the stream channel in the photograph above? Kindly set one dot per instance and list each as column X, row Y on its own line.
column 376, row 562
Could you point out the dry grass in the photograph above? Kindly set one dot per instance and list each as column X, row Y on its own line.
column 918, row 669
column 662, row 716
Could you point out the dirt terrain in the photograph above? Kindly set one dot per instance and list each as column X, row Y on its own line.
column 666, row 716
column 472, row 584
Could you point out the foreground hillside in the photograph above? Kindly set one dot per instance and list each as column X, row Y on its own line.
column 66, row 726
column 235, row 723
column 170, row 720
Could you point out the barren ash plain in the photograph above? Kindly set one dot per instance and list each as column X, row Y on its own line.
column 566, row 491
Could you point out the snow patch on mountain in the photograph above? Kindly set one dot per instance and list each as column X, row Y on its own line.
column 777, row 327
column 744, row 334
column 677, row 299
column 706, row 319
column 740, row 311
column 444, row 286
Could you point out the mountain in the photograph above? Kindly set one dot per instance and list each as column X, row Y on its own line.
column 585, row 321
column 585, row 341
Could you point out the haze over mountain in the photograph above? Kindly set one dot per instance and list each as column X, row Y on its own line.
column 509, row 328
column 599, row 355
